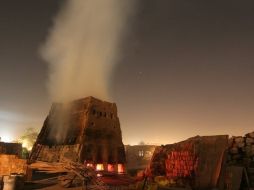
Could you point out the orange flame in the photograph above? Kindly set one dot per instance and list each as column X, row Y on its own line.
column 120, row 168
column 99, row 167
column 111, row 167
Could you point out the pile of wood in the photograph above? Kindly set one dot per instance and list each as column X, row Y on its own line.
column 71, row 174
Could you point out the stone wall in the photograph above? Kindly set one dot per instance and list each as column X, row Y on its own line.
column 241, row 153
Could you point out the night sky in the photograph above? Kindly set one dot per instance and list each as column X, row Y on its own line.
column 186, row 68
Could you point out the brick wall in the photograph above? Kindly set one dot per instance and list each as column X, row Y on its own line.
column 196, row 161
column 11, row 149
column 12, row 164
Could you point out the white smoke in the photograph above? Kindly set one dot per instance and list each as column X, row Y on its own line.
column 83, row 46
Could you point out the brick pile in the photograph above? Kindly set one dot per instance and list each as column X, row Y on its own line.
column 10, row 164
column 181, row 164
column 194, row 162
column 178, row 162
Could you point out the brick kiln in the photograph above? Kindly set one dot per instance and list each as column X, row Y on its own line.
column 86, row 131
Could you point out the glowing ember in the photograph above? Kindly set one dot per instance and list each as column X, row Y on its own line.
column 99, row 167
column 120, row 168
column 110, row 167
column 89, row 165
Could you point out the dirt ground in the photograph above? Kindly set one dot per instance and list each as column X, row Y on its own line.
column 44, row 181
column 47, row 184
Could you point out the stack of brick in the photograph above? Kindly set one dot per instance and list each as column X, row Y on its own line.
column 11, row 164
column 11, row 148
column 195, row 162
column 177, row 162
column 241, row 152
column 181, row 164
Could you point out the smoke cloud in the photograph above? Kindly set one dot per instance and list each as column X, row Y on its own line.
column 83, row 47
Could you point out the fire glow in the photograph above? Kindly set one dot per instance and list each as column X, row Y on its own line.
column 109, row 167
column 120, row 168
column 89, row 165
column 99, row 167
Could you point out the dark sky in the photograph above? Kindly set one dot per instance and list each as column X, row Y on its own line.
column 186, row 69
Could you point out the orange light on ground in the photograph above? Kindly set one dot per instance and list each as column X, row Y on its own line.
column 120, row 168
column 89, row 165
column 110, row 167
column 99, row 167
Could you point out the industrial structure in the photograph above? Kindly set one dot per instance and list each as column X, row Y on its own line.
column 85, row 131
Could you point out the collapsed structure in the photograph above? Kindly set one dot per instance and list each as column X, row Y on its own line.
column 86, row 131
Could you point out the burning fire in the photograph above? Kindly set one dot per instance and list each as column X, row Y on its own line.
column 89, row 165
column 120, row 168
column 99, row 167
column 111, row 168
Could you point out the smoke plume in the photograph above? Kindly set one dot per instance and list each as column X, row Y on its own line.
column 83, row 47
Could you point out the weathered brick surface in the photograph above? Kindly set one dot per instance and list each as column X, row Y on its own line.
column 12, row 164
column 196, row 161
column 89, row 131
column 11, row 148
